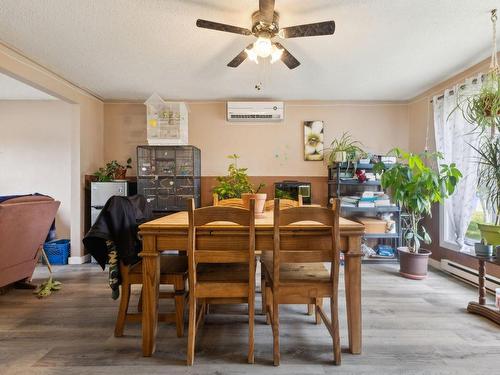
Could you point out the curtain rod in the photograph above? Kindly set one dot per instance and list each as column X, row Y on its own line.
column 451, row 92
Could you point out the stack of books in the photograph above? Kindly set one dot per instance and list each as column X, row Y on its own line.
column 368, row 199
column 350, row 201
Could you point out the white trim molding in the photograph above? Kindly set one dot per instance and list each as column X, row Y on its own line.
column 443, row 230
column 79, row 260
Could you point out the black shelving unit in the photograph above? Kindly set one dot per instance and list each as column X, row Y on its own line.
column 168, row 175
column 339, row 186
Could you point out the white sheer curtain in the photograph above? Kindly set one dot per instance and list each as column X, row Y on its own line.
column 454, row 136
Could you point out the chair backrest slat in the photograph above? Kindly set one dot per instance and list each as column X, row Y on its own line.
column 230, row 202
column 302, row 246
column 218, row 244
column 284, row 203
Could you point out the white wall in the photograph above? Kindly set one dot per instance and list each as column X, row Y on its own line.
column 35, row 152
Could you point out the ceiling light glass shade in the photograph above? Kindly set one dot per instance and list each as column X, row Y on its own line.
column 252, row 56
column 276, row 54
column 263, row 46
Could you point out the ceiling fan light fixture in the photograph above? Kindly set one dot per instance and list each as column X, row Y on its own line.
column 252, row 55
column 263, row 46
column 276, row 54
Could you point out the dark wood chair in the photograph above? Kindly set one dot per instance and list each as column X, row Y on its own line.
column 295, row 272
column 173, row 271
column 221, row 264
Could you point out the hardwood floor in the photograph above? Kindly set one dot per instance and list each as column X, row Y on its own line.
column 410, row 327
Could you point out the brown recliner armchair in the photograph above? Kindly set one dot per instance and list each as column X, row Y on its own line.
column 24, row 225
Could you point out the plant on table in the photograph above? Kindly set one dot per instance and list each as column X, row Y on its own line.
column 415, row 186
column 236, row 182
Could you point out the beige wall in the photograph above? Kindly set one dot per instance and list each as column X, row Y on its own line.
column 35, row 153
column 267, row 149
column 86, row 130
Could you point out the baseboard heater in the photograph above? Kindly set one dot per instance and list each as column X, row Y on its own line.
column 469, row 275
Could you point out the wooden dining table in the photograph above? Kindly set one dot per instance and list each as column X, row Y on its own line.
column 171, row 233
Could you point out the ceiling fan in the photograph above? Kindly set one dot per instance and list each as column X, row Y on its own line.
column 265, row 28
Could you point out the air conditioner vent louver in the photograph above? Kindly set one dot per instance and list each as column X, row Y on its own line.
column 251, row 116
column 255, row 111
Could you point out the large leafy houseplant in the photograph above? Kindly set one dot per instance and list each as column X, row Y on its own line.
column 415, row 186
column 236, row 182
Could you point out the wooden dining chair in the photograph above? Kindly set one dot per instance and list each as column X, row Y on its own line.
column 284, row 203
column 269, row 206
column 230, row 202
column 173, row 271
column 221, row 263
column 295, row 272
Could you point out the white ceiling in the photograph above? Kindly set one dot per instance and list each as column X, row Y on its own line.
column 12, row 89
column 127, row 49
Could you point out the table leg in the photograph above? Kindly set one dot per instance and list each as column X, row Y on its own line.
column 352, row 277
column 482, row 288
column 150, row 290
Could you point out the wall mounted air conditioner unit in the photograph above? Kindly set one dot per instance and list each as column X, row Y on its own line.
column 255, row 111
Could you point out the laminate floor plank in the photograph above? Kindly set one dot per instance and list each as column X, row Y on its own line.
column 409, row 327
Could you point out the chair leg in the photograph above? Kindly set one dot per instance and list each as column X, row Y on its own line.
column 122, row 311
column 310, row 309
column 269, row 307
column 319, row 303
column 251, row 322
column 139, row 304
column 263, row 291
column 191, row 329
column 179, row 300
column 276, row 333
column 334, row 318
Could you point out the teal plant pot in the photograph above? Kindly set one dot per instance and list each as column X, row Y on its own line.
column 483, row 250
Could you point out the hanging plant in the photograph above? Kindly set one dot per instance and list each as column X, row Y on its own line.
column 483, row 109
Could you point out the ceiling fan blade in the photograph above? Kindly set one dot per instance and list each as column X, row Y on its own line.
column 239, row 58
column 266, row 10
column 222, row 27
column 288, row 58
column 311, row 29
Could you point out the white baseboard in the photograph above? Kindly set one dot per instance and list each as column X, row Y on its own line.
column 435, row 263
column 79, row 260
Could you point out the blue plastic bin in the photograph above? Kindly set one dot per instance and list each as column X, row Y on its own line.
column 57, row 251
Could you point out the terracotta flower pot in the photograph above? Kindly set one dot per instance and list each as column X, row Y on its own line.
column 413, row 265
column 120, row 174
column 260, row 202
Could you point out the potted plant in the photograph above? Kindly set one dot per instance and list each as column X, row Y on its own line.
column 415, row 186
column 236, row 184
column 483, row 109
column 489, row 185
column 343, row 149
column 113, row 171
column 120, row 171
